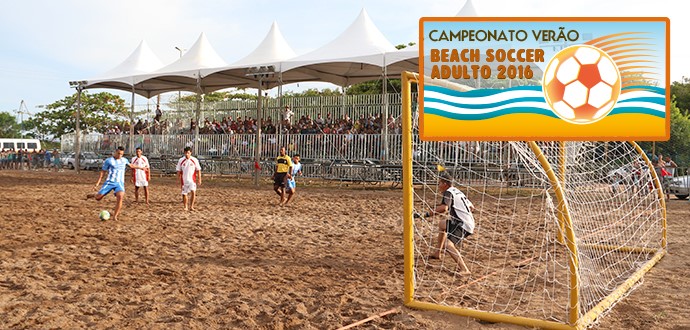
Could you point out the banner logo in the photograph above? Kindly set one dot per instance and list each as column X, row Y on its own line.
column 544, row 79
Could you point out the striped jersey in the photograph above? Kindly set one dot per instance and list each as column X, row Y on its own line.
column 116, row 169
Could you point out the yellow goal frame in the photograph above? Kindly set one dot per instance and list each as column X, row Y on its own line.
column 566, row 236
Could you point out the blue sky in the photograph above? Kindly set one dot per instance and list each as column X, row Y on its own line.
column 46, row 44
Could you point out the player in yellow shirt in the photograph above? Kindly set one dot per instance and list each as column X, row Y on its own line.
column 282, row 174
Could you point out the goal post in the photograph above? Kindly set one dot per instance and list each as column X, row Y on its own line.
column 563, row 230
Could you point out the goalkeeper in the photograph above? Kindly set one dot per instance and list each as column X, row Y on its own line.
column 460, row 222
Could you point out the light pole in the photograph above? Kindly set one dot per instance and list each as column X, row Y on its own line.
column 21, row 111
column 179, row 93
column 79, row 85
column 260, row 73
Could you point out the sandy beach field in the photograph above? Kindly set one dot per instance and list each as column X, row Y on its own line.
column 331, row 258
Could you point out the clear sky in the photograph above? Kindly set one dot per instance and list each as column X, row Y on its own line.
column 46, row 44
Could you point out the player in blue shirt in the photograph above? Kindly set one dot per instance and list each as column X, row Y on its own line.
column 291, row 184
column 114, row 169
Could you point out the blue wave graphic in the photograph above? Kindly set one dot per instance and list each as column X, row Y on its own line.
column 480, row 92
column 491, row 103
column 636, row 110
column 655, row 100
column 487, row 105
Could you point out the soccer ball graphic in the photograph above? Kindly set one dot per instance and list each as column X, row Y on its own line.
column 581, row 84
column 104, row 215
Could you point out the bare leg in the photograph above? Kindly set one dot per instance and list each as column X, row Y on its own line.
column 282, row 196
column 440, row 241
column 146, row 194
column 184, row 202
column 453, row 251
column 290, row 193
column 136, row 194
column 95, row 196
column 118, row 204
column 192, row 199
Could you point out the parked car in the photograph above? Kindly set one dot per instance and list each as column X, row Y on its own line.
column 680, row 186
column 87, row 161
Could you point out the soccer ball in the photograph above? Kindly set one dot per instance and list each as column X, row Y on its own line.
column 582, row 84
column 104, row 215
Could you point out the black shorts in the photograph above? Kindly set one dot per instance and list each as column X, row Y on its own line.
column 279, row 179
column 455, row 231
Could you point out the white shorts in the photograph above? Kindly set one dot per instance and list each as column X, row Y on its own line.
column 141, row 183
column 188, row 187
column 141, row 179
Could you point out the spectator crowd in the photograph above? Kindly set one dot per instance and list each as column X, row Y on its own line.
column 365, row 124
column 11, row 159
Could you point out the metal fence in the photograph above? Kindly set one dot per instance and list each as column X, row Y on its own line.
column 349, row 147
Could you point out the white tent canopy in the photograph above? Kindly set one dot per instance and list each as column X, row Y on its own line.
column 408, row 58
column 356, row 55
column 272, row 51
column 467, row 10
column 183, row 74
column 141, row 61
column 360, row 53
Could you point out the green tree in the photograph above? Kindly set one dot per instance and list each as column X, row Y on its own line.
column 401, row 46
column 219, row 97
column 678, row 145
column 313, row 92
column 99, row 112
column 374, row 87
column 681, row 91
column 9, row 128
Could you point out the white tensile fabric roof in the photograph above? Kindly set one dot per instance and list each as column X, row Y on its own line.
column 360, row 53
column 272, row 51
column 467, row 10
column 183, row 73
column 356, row 55
column 141, row 61
column 408, row 58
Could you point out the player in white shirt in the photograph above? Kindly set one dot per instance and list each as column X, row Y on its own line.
column 189, row 173
column 291, row 187
column 141, row 175
column 458, row 226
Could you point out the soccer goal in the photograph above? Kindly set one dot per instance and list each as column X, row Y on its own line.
column 563, row 230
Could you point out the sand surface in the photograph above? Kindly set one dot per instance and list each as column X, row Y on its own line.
column 332, row 258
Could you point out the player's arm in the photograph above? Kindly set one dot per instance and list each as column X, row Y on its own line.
column 440, row 209
column 290, row 165
column 198, row 176
column 100, row 177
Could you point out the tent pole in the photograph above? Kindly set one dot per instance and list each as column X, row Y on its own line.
column 384, row 120
column 257, row 144
column 77, row 130
column 198, row 114
column 342, row 88
column 280, row 107
column 131, row 125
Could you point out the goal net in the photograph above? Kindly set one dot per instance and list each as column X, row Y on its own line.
column 562, row 229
